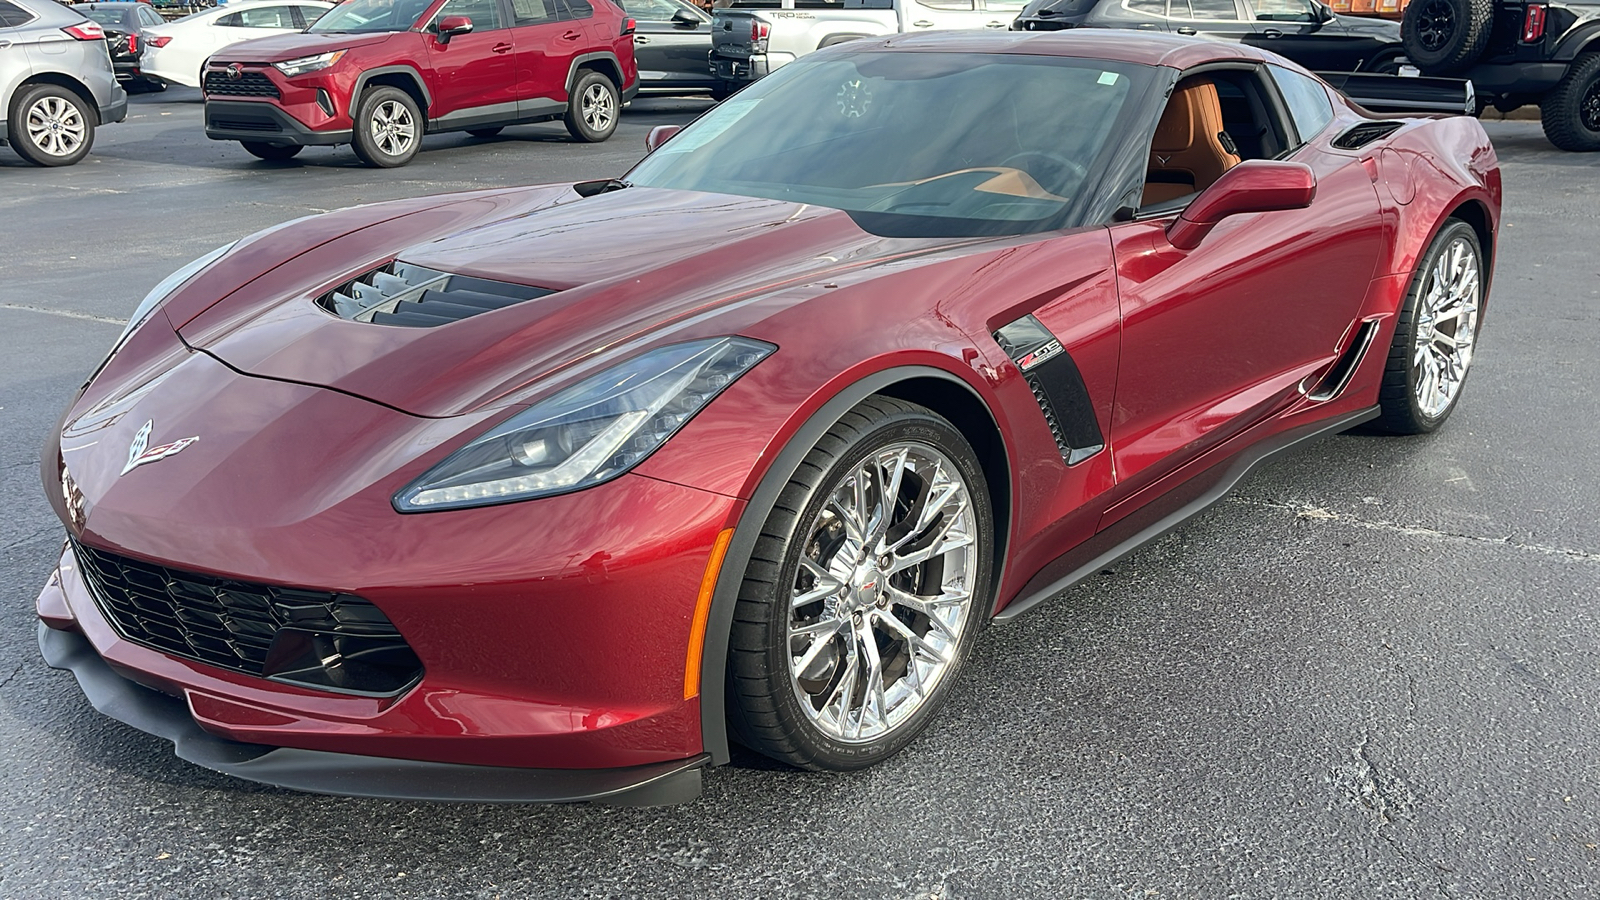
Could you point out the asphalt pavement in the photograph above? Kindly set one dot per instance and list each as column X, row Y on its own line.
column 1372, row 672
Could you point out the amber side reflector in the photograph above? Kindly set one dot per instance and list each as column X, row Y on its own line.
column 702, row 610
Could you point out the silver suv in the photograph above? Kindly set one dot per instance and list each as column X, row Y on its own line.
column 56, row 82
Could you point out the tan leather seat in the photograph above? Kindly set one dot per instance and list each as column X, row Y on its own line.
column 1187, row 154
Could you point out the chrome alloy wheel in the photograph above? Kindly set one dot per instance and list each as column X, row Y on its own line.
column 393, row 129
column 599, row 110
column 56, row 126
column 1447, row 322
column 883, row 591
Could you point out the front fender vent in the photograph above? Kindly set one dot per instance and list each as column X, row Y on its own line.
column 1365, row 133
column 413, row 296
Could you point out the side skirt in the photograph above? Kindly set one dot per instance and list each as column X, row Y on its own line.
column 1232, row 472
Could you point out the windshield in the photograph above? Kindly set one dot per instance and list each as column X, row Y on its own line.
column 112, row 16
column 370, row 16
column 911, row 143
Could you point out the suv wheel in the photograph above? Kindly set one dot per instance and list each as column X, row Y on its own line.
column 1445, row 37
column 1571, row 111
column 51, row 126
column 592, row 107
column 274, row 152
column 388, row 128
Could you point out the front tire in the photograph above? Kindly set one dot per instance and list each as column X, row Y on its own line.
column 388, row 128
column 271, row 152
column 864, row 592
column 1435, row 336
column 51, row 126
column 1570, row 112
column 592, row 108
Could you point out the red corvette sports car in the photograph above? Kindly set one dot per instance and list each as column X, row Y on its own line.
column 548, row 493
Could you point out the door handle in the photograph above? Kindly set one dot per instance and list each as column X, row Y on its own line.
column 500, row 48
column 640, row 40
column 1272, row 33
column 922, row 23
column 572, row 35
column 1186, row 30
column 4, row 44
column 995, row 25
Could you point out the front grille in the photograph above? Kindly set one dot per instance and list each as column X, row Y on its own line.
column 220, row 123
column 313, row 638
column 248, row 84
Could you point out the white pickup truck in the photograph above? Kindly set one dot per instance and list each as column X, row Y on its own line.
column 750, row 38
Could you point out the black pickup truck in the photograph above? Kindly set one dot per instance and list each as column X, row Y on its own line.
column 1517, row 53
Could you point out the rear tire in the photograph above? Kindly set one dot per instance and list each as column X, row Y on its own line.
column 1435, row 336
column 485, row 132
column 835, row 658
column 271, row 152
column 592, row 107
column 388, row 127
column 1570, row 112
column 51, row 126
column 1445, row 37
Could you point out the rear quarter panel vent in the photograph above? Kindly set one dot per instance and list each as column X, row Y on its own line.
column 1365, row 133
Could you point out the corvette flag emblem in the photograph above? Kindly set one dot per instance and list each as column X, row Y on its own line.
column 140, row 451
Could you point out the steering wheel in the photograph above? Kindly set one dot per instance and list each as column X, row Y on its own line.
column 1057, row 164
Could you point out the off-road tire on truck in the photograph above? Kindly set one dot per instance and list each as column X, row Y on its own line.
column 1445, row 37
column 1570, row 112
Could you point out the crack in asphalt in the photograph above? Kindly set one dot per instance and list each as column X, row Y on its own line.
column 1312, row 513
column 14, row 673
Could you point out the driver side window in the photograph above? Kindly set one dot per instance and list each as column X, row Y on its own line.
column 1283, row 11
column 485, row 14
column 1212, row 122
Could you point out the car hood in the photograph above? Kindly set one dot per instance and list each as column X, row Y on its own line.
column 614, row 272
column 281, row 47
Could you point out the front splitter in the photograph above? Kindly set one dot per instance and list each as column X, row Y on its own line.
column 349, row 775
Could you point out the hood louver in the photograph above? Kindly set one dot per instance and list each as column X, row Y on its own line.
column 417, row 297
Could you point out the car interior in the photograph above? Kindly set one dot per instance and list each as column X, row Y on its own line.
column 1212, row 122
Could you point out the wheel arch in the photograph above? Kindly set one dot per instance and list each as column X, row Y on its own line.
column 939, row 390
column 60, row 79
column 1583, row 39
column 1476, row 214
column 403, row 77
column 604, row 62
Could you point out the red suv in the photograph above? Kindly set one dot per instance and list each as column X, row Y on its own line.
column 378, row 74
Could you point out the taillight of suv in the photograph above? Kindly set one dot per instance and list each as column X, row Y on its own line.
column 1533, row 23
column 86, row 31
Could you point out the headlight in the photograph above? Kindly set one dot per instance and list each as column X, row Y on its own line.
column 305, row 64
column 590, row 433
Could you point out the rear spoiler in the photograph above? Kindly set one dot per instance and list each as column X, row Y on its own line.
column 1405, row 94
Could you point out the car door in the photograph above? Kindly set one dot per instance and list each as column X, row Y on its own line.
column 1225, row 20
column 475, row 75
column 1301, row 31
column 670, row 43
column 541, row 64
column 1217, row 338
column 949, row 15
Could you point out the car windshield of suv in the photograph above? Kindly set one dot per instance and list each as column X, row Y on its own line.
column 370, row 16
column 912, row 143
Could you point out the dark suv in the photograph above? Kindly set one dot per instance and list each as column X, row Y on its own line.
column 1517, row 53
column 378, row 74
column 1306, row 31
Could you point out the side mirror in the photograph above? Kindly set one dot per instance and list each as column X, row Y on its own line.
column 1259, row 185
column 659, row 135
column 1324, row 13
column 450, row 26
column 685, row 19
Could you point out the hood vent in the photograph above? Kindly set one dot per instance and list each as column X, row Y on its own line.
column 1366, row 133
column 417, row 297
